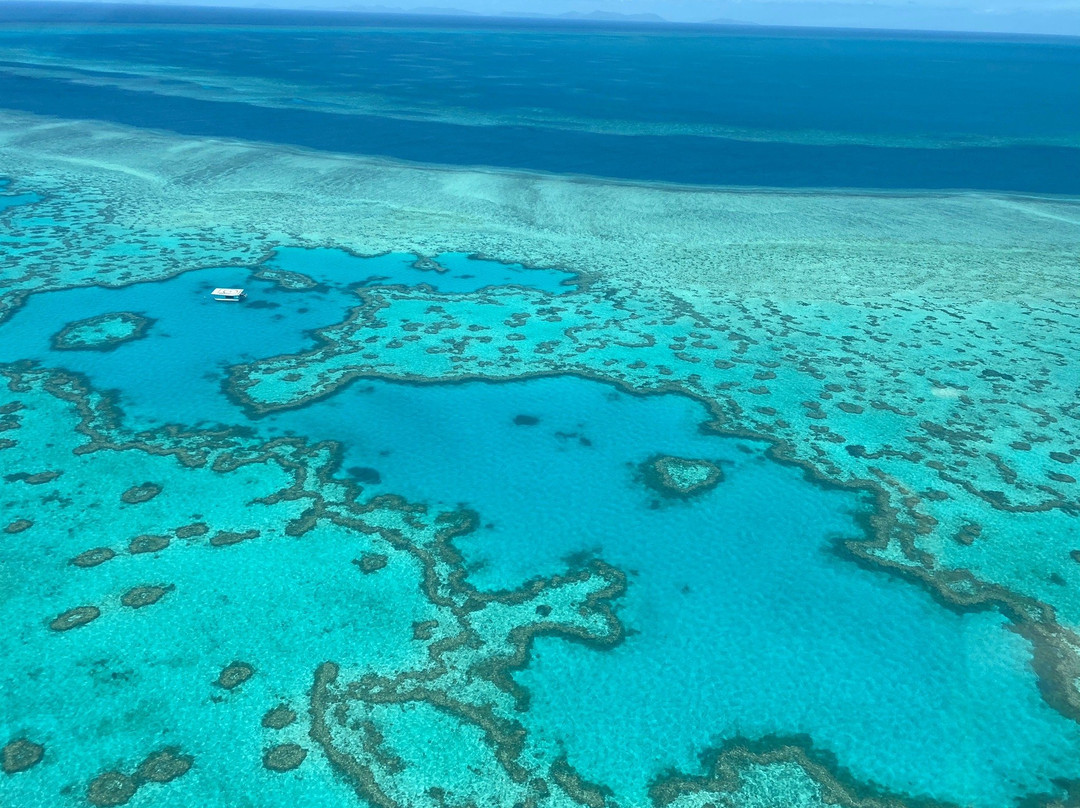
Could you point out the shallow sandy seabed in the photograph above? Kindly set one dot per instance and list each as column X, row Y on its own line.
column 920, row 347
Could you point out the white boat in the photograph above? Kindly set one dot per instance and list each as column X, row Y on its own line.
column 229, row 295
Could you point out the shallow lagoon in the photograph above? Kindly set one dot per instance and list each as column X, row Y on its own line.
column 206, row 335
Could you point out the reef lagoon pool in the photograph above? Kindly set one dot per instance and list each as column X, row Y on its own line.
column 588, row 436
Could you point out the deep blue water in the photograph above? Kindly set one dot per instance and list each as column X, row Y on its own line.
column 708, row 106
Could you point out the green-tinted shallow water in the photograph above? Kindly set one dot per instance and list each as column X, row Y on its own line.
column 516, row 490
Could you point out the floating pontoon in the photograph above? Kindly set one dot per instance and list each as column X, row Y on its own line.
column 229, row 295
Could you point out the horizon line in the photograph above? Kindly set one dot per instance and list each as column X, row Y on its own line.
column 158, row 12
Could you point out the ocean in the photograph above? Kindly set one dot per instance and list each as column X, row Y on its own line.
column 617, row 415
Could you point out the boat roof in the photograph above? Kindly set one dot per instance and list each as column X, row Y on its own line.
column 228, row 292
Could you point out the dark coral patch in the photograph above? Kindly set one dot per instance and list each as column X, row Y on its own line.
column 427, row 264
column 968, row 532
column 18, row 526
column 37, row 478
column 234, row 674
column 138, row 494
column 580, row 790
column 140, row 596
column 93, row 557
column 526, row 420
column 73, row 618
column 225, row 538
column 191, row 531
column 680, row 477
column 365, row 475
column 284, row 758
column 111, row 789
column 424, row 629
column 371, row 562
column 21, row 754
column 279, row 717
column 164, row 766
column 290, row 281
column 148, row 544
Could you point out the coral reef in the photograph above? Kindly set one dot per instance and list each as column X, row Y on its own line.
column 21, row 754
column 106, row 332
column 679, row 476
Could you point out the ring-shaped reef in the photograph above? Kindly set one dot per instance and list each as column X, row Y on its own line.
column 105, row 332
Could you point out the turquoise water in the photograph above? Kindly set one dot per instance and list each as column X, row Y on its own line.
column 14, row 200
column 204, row 336
column 743, row 580
column 395, row 530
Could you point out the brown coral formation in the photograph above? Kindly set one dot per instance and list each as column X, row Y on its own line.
column 148, row 544
column 164, row 766
column 191, row 531
column 93, row 557
column 225, row 538
column 371, row 562
column 284, row 758
column 37, row 478
column 114, row 788
column 22, row 754
column 104, row 332
column 424, row 630
column 234, row 674
column 110, row 789
column 279, row 717
column 18, row 526
column 344, row 714
column 141, row 596
column 73, row 618
column 289, row 280
column 138, row 494
column 724, row 766
column 680, row 477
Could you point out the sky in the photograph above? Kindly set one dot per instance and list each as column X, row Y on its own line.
column 1002, row 16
